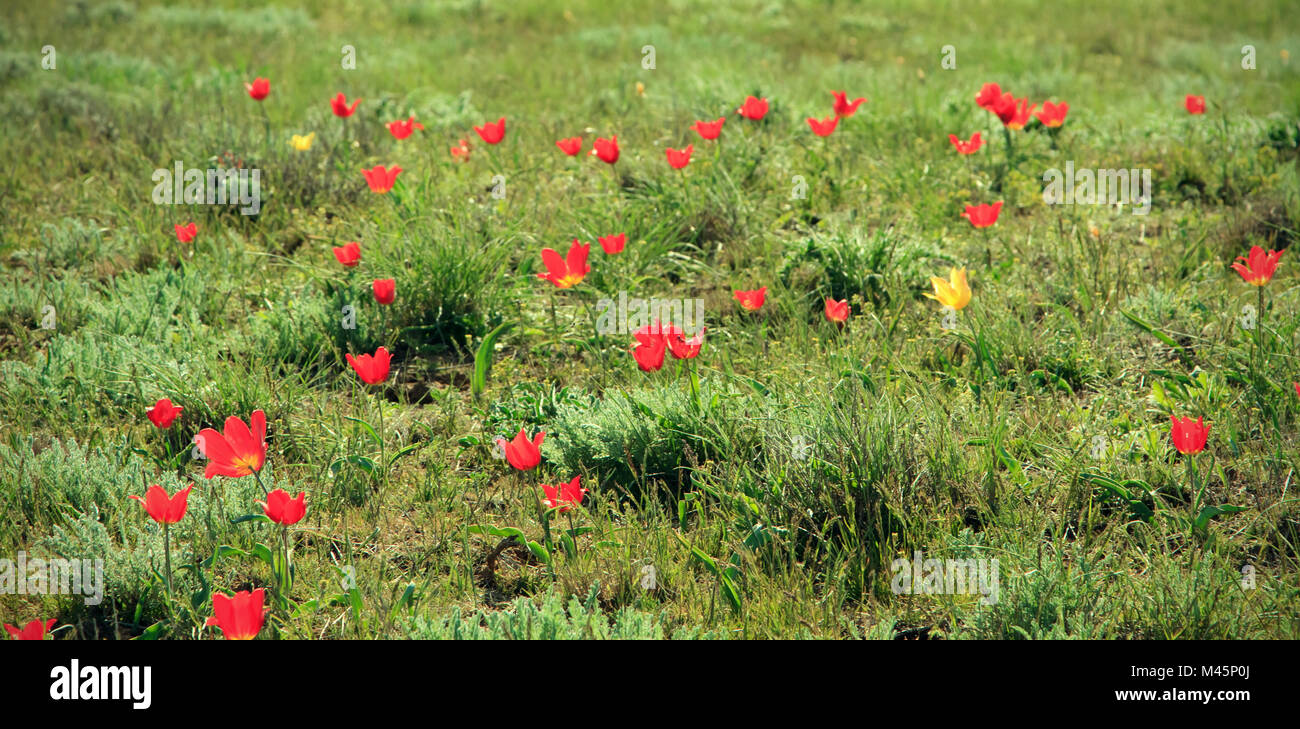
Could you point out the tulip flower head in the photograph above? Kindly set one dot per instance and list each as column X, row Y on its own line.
column 969, row 147
column 302, row 143
column 649, row 349
column 1258, row 269
column 163, row 413
column 823, row 127
column 564, row 496
column 954, row 292
column 751, row 300
column 680, row 346
column 1052, row 115
column 385, row 290
column 492, row 133
column 837, row 311
column 525, row 454
column 371, row 369
column 380, row 179
column 460, row 152
column 34, row 630
column 1195, row 104
column 612, row 244
column 237, row 452
column 679, row 158
column 571, row 146
column 709, row 130
column 983, row 215
column 1297, row 388
column 403, row 129
column 1189, row 435
column 1013, row 112
column 753, row 109
column 340, row 106
column 843, row 107
column 162, row 508
column 258, row 89
column 349, row 254
column 185, row 233
column 606, row 149
column 988, row 96
column 569, row 271
column 239, row 617
column 282, row 509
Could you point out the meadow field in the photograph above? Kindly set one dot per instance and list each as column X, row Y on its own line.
column 914, row 387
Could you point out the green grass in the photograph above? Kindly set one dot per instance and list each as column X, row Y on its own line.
column 771, row 498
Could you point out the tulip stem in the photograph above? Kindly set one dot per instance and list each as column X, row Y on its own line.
column 167, row 563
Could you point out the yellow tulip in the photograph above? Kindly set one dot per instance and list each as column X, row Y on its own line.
column 302, row 143
column 954, row 292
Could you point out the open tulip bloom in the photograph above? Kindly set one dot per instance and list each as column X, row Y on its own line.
column 751, row 300
column 1188, row 435
column 348, row 254
column 372, row 370
column 185, row 233
column 753, row 109
column 571, row 146
column 237, row 452
column 163, row 414
column 403, row 129
column 569, row 271
column 982, row 216
column 524, row 454
column 612, row 244
column 679, row 158
column 1052, row 115
column 843, row 107
column 240, row 617
column 1194, row 104
column 340, row 106
column 492, row 133
column 385, row 290
column 606, row 149
column 709, row 130
column 837, row 311
column 968, row 147
column 564, row 496
column 823, row 127
column 280, row 508
column 1258, row 269
column 988, row 96
column 258, row 89
column 381, row 179
column 162, row 508
column 35, row 630
column 954, row 292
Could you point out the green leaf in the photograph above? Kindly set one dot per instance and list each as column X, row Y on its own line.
column 483, row 359
column 365, row 425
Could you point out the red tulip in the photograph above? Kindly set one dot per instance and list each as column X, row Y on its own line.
column 461, row 151
column 837, row 311
column 843, row 107
column 1258, row 269
column 982, row 216
column 371, row 370
column 709, row 130
column 258, row 89
column 824, row 127
column 988, row 96
column 34, row 630
column 340, row 105
column 381, row 180
column 385, row 290
column 649, row 351
column 162, row 508
column 753, row 108
column 752, row 300
column 613, row 243
column 1297, row 388
column 970, row 147
column 348, row 254
column 1188, row 436
column 606, row 149
column 569, row 271
column 524, row 454
column 679, row 158
column 239, row 617
column 571, row 146
column 1194, row 104
column 565, row 495
column 492, row 133
column 163, row 413
column 186, row 233
column 1013, row 112
column 237, row 452
column 403, row 129
column 1053, row 115
column 680, row 346
column 283, row 510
